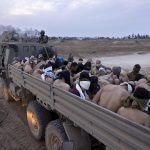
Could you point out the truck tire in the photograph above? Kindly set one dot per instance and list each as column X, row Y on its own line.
column 38, row 118
column 6, row 94
column 55, row 135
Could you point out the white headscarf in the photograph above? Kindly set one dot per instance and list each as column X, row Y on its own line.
column 147, row 106
column 85, row 84
column 80, row 91
column 48, row 72
column 130, row 89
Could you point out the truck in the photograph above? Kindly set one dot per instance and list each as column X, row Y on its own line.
column 65, row 120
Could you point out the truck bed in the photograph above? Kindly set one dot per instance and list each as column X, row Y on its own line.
column 106, row 126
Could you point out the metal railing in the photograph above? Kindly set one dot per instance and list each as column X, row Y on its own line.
column 106, row 126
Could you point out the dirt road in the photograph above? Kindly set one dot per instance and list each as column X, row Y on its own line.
column 14, row 132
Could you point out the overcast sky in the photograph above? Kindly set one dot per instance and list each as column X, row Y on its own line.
column 78, row 17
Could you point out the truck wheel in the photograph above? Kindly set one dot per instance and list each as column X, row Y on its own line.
column 6, row 94
column 55, row 135
column 38, row 118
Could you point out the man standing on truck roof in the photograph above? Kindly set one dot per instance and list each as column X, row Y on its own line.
column 43, row 39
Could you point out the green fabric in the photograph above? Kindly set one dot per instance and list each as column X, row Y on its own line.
column 132, row 75
column 134, row 102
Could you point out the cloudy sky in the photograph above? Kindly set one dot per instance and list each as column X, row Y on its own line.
column 78, row 17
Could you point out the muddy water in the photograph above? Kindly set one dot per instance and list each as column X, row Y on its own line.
column 127, row 60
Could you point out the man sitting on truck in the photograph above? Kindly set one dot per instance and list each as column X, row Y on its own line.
column 99, row 69
column 80, row 89
column 135, row 115
column 135, row 75
column 94, row 87
column 41, row 60
column 137, row 107
column 140, row 97
column 63, row 80
column 118, row 75
column 16, row 62
column 29, row 66
column 112, row 96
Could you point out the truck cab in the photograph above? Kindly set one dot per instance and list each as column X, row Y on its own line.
column 9, row 50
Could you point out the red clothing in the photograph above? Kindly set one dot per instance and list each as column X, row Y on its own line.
column 73, row 90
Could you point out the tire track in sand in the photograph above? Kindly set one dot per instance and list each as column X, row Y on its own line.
column 14, row 134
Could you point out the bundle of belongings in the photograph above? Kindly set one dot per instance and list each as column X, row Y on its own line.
column 47, row 72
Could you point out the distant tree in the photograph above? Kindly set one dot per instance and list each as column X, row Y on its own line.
column 133, row 36
column 138, row 36
column 129, row 37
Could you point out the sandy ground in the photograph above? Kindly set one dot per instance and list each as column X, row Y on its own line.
column 125, row 53
column 14, row 131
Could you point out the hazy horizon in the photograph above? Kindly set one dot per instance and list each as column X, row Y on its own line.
column 78, row 18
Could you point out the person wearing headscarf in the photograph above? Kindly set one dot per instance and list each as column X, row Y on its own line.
column 80, row 89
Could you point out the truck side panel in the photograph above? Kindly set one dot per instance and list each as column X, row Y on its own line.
column 37, row 87
column 106, row 126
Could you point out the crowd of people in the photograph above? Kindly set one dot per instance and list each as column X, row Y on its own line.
column 125, row 93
